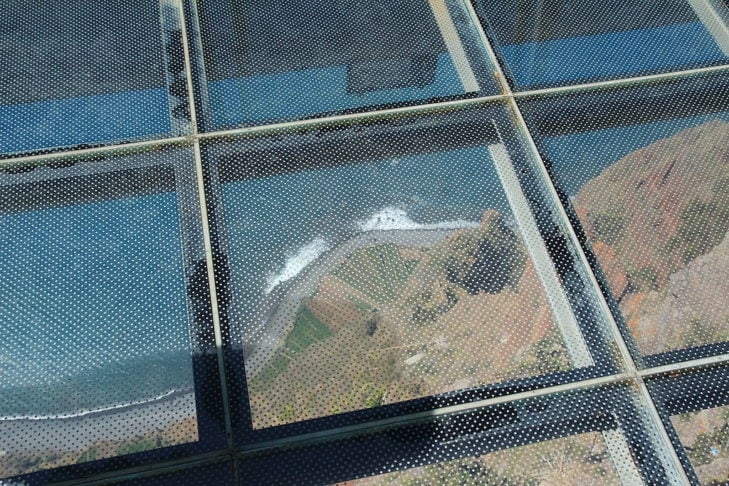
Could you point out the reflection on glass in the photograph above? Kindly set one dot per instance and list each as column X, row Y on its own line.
column 568, row 42
column 576, row 460
column 375, row 282
column 271, row 60
column 94, row 343
column 81, row 72
column 705, row 437
column 652, row 199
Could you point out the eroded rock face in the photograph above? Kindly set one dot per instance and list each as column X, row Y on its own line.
column 692, row 309
column 612, row 267
column 486, row 259
column 654, row 218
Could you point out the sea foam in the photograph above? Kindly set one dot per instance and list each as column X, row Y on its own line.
column 297, row 262
column 393, row 218
column 85, row 412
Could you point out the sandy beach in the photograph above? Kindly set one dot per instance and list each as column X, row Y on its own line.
column 79, row 433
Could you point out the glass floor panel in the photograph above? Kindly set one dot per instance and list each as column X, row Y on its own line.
column 695, row 408
column 267, row 60
column 340, row 241
column 705, row 436
column 97, row 338
column 650, row 195
column 560, row 42
column 600, row 435
column 580, row 459
column 381, row 266
column 83, row 73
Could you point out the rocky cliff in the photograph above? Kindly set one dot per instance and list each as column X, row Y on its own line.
column 657, row 220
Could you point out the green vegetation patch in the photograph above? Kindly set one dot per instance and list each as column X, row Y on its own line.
column 378, row 272
column 644, row 279
column 307, row 330
column 609, row 228
column 699, row 332
column 708, row 446
column 548, row 355
column 89, row 454
column 721, row 191
column 139, row 446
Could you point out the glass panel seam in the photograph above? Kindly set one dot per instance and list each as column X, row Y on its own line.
column 384, row 114
column 715, row 18
column 685, row 365
column 385, row 424
column 206, row 229
column 675, row 463
column 622, row 82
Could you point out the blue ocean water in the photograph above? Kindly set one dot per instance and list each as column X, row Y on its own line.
column 92, row 297
column 579, row 157
column 276, row 225
column 614, row 54
column 91, row 119
column 92, row 305
column 295, row 94
column 304, row 93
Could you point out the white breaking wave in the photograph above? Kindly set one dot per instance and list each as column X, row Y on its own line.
column 295, row 264
column 393, row 218
column 85, row 412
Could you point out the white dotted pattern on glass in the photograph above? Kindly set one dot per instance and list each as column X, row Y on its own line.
column 85, row 72
column 705, row 436
column 581, row 459
column 360, row 281
column 595, row 436
column 558, row 42
column 695, row 409
column 271, row 60
column 95, row 340
column 652, row 198
column 313, row 242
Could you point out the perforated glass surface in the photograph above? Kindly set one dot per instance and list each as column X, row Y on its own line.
column 582, row 459
column 704, row 436
column 99, row 327
column 694, row 407
column 382, row 263
column 650, row 195
column 597, row 436
column 364, row 242
column 81, row 73
column 558, row 42
column 266, row 61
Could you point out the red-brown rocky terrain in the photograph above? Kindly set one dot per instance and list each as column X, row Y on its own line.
column 658, row 220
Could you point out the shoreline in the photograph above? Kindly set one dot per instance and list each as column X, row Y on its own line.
column 76, row 433
column 99, row 411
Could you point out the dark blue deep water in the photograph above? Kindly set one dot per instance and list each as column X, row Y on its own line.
column 92, row 305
